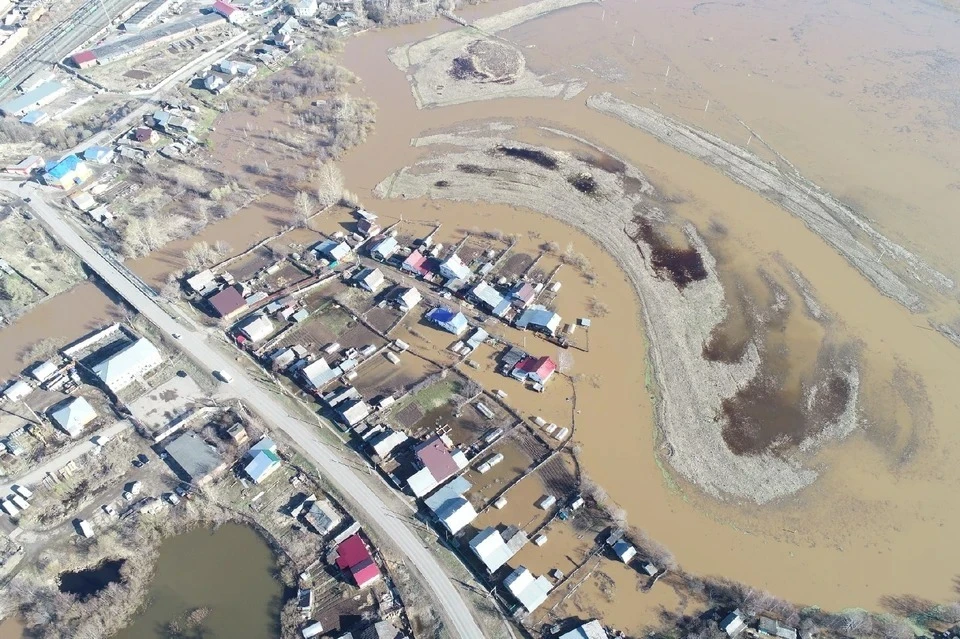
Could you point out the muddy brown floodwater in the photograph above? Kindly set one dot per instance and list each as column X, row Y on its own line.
column 846, row 540
column 879, row 132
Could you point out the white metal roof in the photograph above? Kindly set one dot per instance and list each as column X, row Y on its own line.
column 74, row 415
column 530, row 591
column 590, row 630
column 118, row 370
column 490, row 547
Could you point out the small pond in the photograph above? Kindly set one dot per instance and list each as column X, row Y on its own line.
column 215, row 584
column 89, row 581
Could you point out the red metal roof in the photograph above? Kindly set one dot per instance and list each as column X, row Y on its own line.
column 365, row 572
column 417, row 261
column 435, row 455
column 227, row 301
column 83, row 56
column 351, row 552
column 223, row 8
column 542, row 367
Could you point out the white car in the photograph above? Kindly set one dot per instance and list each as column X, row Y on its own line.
column 223, row 376
column 175, row 335
column 110, row 510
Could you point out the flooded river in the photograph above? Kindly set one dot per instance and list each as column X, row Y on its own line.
column 226, row 574
column 880, row 132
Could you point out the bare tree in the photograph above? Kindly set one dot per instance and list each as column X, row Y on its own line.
column 329, row 184
column 303, row 208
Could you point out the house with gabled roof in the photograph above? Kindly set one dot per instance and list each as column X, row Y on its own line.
column 353, row 556
column 126, row 366
column 453, row 268
column 415, row 263
column 451, row 321
column 439, row 461
column 539, row 318
column 73, row 415
column 535, row 369
column 264, row 460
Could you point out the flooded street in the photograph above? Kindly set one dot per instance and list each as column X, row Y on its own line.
column 225, row 574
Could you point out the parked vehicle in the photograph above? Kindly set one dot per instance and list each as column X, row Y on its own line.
column 223, row 376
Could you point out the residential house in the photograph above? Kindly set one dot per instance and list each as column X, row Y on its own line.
column 353, row 411
column 128, row 365
column 624, row 550
column 530, row 591
column 344, row 19
column 26, row 166
column 773, row 628
column 384, row 249
column 43, row 371
column 489, row 299
column 377, row 630
column 264, row 460
column 539, row 318
column 17, row 390
column 72, row 415
column 98, row 154
column 453, row 268
column 227, row 303
column 202, row 282
column 368, row 227
column 416, row 263
column 322, row 517
column 522, row 294
column 535, row 369
column 733, row 624
column 214, row 83
column 232, row 14
column 370, row 279
column 232, row 67
column 353, row 556
column 318, row 374
column 256, row 327
column 194, row 459
column 83, row 201
column 450, row 507
column 439, row 461
column 450, row 321
column 145, row 135
column 384, row 442
column 589, row 630
column 332, row 250
column 478, row 337
column 305, row 8
column 67, row 173
column 408, row 298
column 288, row 26
column 495, row 549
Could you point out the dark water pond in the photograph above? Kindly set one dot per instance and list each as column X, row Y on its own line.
column 88, row 582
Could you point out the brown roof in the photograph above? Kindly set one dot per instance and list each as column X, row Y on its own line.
column 227, row 301
column 435, row 455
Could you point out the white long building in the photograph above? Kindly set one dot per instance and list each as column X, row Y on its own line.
column 130, row 364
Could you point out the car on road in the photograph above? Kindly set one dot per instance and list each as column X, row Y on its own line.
column 175, row 335
column 110, row 510
column 223, row 376
column 27, row 200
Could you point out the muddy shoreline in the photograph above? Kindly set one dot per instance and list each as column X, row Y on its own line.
column 890, row 267
column 682, row 302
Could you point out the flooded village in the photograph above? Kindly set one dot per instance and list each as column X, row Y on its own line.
column 467, row 328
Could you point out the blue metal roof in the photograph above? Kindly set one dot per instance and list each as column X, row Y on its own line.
column 64, row 166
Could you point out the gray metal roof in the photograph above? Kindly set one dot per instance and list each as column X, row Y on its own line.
column 195, row 457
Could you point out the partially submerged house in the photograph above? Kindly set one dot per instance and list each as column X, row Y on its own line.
column 489, row 299
column 194, row 459
column 495, row 549
column 539, row 318
column 128, row 365
column 589, row 630
column 439, row 461
column 522, row 294
column 625, row 551
column 733, row 624
column 353, row 556
column 773, row 628
column 530, row 591
column 264, row 460
column 451, row 321
column 535, row 369
column 73, row 415
column 332, row 250
column 450, row 507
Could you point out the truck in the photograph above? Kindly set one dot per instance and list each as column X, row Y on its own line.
column 20, row 502
column 223, row 376
column 85, row 528
column 9, row 507
column 23, row 491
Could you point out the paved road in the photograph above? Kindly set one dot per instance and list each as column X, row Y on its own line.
column 37, row 475
column 375, row 512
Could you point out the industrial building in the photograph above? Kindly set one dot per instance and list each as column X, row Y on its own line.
column 147, row 14
column 32, row 100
